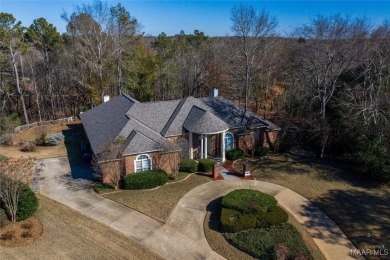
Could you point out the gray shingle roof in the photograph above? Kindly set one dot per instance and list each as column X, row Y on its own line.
column 200, row 121
column 103, row 123
column 145, row 126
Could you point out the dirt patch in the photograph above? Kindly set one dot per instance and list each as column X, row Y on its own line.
column 21, row 233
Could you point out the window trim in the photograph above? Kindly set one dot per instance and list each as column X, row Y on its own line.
column 137, row 159
column 233, row 143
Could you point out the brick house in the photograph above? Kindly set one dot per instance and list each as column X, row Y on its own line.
column 153, row 134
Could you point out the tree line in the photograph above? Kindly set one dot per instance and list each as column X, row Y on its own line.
column 326, row 84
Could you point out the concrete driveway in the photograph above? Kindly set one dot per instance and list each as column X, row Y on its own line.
column 182, row 237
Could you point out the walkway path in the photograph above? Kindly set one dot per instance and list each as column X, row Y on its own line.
column 182, row 237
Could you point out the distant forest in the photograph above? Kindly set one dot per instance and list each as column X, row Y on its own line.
column 327, row 84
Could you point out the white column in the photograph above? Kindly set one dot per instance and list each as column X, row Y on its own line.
column 191, row 146
column 223, row 146
column 201, row 146
column 205, row 146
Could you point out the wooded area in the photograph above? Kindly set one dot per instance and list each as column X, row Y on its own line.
column 326, row 84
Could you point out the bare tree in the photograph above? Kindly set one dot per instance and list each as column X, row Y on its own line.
column 15, row 174
column 252, row 30
column 326, row 48
column 109, row 165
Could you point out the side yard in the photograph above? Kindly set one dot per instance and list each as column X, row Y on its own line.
column 70, row 235
column 157, row 203
column 43, row 151
column 361, row 209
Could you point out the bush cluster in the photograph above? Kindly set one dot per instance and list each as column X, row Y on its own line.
column 3, row 157
column 274, row 216
column 206, row 165
column 261, row 151
column 245, row 209
column 6, row 139
column 49, row 140
column 188, row 165
column 234, row 221
column 235, row 154
column 248, row 201
column 27, row 205
column 145, row 180
column 28, row 146
column 260, row 243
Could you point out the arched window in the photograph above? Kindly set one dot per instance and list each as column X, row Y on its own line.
column 229, row 141
column 143, row 163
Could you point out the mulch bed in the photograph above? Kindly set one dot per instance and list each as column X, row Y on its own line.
column 21, row 233
column 228, row 165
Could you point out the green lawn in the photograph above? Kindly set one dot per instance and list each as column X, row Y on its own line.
column 157, row 203
column 356, row 205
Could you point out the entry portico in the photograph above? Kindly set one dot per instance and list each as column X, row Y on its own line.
column 205, row 124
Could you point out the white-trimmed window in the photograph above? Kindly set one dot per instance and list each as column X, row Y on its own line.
column 142, row 163
column 229, row 141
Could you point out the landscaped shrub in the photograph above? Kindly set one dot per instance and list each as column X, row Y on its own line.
column 188, row 165
column 234, row 154
column 27, row 205
column 206, row 165
column 275, row 216
column 234, row 221
column 260, row 243
column 49, row 140
column 6, row 139
column 7, row 235
column 145, row 180
column 248, row 201
column 28, row 147
column 261, row 151
column 54, row 139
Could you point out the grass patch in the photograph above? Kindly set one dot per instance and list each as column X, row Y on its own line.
column 341, row 194
column 160, row 202
column 102, row 188
column 65, row 230
column 260, row 242
column 179, row 177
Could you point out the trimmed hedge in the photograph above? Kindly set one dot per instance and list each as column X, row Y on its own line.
column 248, row 201
column 234, row 154
column 145, row 180
column 188, row 165
column 233, row 221
column 206, row 165
column 260, row 243
column 261, row 151
column 27, row 204
column 275, row 216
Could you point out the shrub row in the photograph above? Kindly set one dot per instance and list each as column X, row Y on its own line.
column 206, row 165
column 188, row 165
column 235, row 154
column 145, row 180
column 233, row 221
column 260, row 243
column 248, row 201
